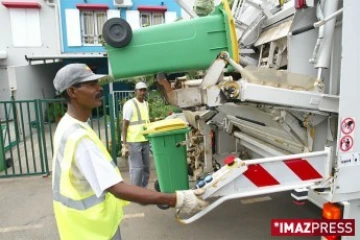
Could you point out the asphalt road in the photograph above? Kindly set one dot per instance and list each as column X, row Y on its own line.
column 247, row 219
column 26, row 213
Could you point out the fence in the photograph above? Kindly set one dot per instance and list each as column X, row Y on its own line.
column 121, row 96
column 26, row 136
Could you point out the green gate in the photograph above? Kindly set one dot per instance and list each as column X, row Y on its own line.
column 28, row 126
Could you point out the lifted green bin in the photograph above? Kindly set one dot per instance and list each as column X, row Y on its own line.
column 170, row 159
column 173, row 47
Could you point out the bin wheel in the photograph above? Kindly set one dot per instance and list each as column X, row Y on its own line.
column 216, row 166
column 117, row 32
column 8, row 162
column 163, row 206
column 157, row 188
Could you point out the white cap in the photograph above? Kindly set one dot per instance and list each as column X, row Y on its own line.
column 140, row 85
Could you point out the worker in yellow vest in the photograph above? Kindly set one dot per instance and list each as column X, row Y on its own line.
column 88, row 191
column 134, row 144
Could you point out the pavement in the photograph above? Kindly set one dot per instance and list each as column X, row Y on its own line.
column 26, row 213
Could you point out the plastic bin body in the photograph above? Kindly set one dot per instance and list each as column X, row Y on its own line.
column 170, row 160
column 175, row 47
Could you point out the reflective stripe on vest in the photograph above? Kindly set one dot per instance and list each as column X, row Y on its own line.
column 76, row 207
column 82, row 204
column 139, row 121
column 139, row 118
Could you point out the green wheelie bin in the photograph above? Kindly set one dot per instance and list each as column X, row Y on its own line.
column 170, row 154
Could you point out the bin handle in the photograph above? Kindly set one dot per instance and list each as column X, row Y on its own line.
column 182, row 143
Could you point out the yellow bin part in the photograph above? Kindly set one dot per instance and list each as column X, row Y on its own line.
column 232, row 30
column 164, row 125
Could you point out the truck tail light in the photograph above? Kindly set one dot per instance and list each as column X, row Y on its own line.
column 332, row 238
column 332, row 211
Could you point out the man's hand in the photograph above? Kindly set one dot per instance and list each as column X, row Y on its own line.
column 124, row 150
column 188, row 201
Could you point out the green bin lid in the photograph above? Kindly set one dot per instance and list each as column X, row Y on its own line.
column 172, row 132
column 164, row 126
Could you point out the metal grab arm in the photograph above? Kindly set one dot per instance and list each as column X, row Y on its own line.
column 316, row 164
column 256, row 192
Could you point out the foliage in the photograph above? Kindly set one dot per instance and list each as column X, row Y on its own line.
column 55, row 111
column 118, row 127
column 157, row 108
column 106, row 80
column 205, row 7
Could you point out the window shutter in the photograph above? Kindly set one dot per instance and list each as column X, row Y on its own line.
column 25, row 27
column 133, row 18
column 18, row 29
column 170, row 17
column 113, row 13
column 73, row 27
column 33, row 27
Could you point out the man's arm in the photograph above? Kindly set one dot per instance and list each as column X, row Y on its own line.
column 185, row 201
column 102, row 177
column 127, row 114
column 125, row 126
column 140, row 195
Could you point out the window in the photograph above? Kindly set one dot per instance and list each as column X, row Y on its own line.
column 157, row 18
column 151, row 18
column 25, row 27
column 91, row 26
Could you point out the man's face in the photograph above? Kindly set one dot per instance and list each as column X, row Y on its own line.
column 88, row 94
column 141, row 93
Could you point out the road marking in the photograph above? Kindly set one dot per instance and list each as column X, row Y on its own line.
column 20, row 228
column 256, row 200
column 135, row 215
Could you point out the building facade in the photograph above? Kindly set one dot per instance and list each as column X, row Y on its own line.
column 28, row 28
column 82, row 21
column 40, row 36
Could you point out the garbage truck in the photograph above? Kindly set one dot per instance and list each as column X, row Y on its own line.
column 274, row 104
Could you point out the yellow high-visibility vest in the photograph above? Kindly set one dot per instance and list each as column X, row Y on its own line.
column 139, row 118
column 79, row 213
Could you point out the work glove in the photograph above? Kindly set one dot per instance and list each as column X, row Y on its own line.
column 188, row 201
column 124, row 150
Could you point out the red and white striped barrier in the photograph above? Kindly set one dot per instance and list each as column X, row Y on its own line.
column 277, row 173
column 238, row 175
column 239, row 179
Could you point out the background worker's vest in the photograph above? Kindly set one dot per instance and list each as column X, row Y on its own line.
column 79, row 214
column 140, row 116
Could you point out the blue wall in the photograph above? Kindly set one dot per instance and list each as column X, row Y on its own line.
column 71, row 4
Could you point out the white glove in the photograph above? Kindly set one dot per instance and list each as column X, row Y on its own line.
column 187, row 201
column 124, row 151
